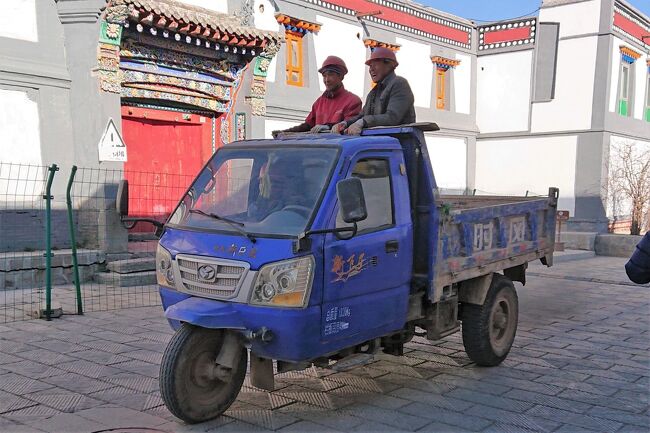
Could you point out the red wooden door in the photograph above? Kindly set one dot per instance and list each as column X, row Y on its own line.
column 165, row 151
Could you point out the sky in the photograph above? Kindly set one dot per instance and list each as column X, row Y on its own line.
column 485, row 10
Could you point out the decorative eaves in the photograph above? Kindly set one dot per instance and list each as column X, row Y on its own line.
column 196, row 22
column 373, row 43
column 297, row 25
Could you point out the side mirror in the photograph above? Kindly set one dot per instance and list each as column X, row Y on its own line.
column 122, row 202
column 351, row 200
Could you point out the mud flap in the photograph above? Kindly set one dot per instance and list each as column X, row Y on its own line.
column 262, row 373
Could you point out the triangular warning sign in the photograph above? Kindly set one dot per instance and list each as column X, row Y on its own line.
column 111, row 145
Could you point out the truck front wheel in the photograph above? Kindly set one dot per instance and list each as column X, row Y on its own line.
column 489, row 329
column 201, row 373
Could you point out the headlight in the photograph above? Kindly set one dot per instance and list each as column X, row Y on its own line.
column 164, row 270
column 284, row 284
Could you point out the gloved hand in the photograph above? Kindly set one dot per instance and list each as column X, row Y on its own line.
column 339, row 128
column 275, row 134
column 355, row 128
column 319, row 128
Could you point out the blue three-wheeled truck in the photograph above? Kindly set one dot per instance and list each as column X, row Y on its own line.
column 312, row 248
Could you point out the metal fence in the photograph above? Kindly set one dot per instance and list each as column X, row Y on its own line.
column 63, row 248
column 22, row 240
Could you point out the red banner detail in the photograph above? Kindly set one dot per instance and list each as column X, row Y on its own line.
column 405, row 19
column 630, row 27
column 515, row 34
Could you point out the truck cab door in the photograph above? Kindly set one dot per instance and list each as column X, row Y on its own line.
column 367, row 277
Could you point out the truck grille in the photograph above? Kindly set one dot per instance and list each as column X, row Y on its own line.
column 211, row 278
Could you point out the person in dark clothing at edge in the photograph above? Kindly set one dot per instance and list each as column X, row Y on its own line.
column 638, row 267
column 389, row 103
column 335, row 104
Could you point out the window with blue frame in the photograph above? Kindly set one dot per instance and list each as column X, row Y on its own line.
column 626, row 81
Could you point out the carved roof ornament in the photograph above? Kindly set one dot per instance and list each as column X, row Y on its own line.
column 373, row 43
column 444, row 63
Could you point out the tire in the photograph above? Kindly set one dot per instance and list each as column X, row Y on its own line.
column 489, row 329
column 188, row 385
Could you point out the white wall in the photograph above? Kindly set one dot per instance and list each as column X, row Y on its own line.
column 340, row 39
column 571, row 109
column 449, row 161
column 18, row 20
column 640, row 78
column 503, row 91
column 415, row 65
column 19, row 128
column 19, row 144
column 529, row 164
column 463, row 83
column 271, row 125
column 576, row 19
column 215, row 5
column 265, row 20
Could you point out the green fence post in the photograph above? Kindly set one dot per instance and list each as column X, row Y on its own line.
column 75, row 265
column 48, row 241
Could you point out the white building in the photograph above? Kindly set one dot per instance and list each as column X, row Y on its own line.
column 522, row 105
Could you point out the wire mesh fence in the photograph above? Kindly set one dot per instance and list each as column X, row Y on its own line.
column 118, row 259
column 96, row 262
column 22, row 240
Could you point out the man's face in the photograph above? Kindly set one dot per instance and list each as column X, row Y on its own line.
column 379, row 68
column 332, row 80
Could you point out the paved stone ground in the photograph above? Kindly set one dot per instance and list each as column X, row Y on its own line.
column 581, row 362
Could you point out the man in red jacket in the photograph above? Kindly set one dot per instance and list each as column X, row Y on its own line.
column 335, row 105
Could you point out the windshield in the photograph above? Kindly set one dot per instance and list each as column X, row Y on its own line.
column 257, row 190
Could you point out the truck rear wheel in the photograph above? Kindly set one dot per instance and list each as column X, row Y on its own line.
column 194, row 387
column 489, row 329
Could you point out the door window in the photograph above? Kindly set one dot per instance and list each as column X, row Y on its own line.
column 374, row 174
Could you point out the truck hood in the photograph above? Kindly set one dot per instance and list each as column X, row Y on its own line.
column 226, row 246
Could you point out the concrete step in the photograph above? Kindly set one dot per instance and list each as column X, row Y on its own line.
column 132, row 265
column 126, row 280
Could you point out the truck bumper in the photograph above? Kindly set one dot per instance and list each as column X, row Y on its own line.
column 296, row 332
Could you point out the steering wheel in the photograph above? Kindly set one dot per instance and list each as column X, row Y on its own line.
column 300, row 210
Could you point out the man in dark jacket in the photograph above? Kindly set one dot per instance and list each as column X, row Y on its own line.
column 638, row 267
column 389, row 103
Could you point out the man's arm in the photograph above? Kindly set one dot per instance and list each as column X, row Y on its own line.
column 352, row 110
column 400, row 100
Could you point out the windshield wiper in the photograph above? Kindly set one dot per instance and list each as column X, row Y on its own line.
column 235, row 224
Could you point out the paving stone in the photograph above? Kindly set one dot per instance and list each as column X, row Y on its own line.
column 120, row 417
column 580, row 420
column 500, row 402
column 10, row 426
column 526, row 421
column 20, row 385
column 88, row 369
column 272, row 420
column 77, row 383
column 100, row 357
column 622, row 417
column 340, row 420
column 32, row 369
column 68, row 423
column 446, row 401
column 398, row 419
column 547, row 400
column 133, row 381
column 31, row 413
column 10, row 402
column 469, row 383
column 460, row 419
column 307, row 426
column 64, row 400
